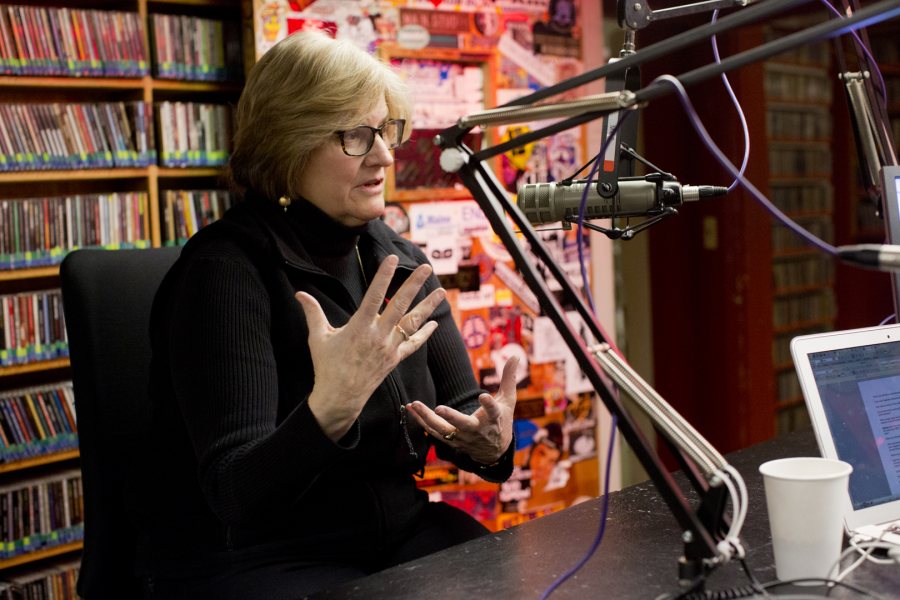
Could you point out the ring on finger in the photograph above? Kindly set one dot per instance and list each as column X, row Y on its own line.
column 452, row 435
column 403, row 333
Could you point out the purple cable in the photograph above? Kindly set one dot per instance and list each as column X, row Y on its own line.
column 582, row 207
column 599, row 538
column 873, row 66
column 729, row 166
column 737, row 106
column 738, row 178
column 612, row 434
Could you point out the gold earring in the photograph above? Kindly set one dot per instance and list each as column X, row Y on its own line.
column 284, row 202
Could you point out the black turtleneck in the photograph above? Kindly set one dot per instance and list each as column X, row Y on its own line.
column 332, row 246
column 239, row 472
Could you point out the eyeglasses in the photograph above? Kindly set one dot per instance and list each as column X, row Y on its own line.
column 359, row 140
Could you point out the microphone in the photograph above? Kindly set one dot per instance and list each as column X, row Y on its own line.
column 552, row 202
column 873, row 256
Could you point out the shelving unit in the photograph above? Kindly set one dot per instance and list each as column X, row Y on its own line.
column 798, row 96
column 710, row 268
column 864, row 297
column 38, row 461
column 152, row 181
column 700, row 328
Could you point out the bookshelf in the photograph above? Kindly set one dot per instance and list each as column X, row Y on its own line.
column 710, row 268
column 799, row 97
column 869, row 293
column 733, row 307
column 109, row 127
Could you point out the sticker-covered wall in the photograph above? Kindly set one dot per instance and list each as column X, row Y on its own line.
column 458, row 57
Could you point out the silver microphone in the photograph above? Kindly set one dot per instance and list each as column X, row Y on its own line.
column 552, row 202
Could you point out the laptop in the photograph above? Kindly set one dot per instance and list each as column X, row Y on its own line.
column 851, row 384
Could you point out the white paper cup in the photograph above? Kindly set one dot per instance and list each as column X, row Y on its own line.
column 806, row 498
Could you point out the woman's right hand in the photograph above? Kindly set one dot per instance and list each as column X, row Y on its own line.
column 350, row 362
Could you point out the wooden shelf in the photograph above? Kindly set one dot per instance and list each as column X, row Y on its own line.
column 799, row 140
column 117, row 83
column 24, row 559
column 37, row 461
column 96, row 83
column 180, row 85
column 32, row 273
column 166, row 172
column 34, row 367
column 94, row 174
column 218, row 3
column 802, row 289
column 796, row 67
column 807, row 67
column 800, row 325
column 73, row 174
column 799, row 179
column 795, row 253
column 808, row 214
column 789, row 403
column 787, row 102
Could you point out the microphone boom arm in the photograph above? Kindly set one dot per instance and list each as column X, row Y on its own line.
column 701, row 528
column 637, row 15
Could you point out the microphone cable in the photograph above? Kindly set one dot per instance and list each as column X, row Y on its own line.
column 603, row 519
column 739, row 175
column 731, row 544
column 737, row 106
column 870, row 59
column 729, row 166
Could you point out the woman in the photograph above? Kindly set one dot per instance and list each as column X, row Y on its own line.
column 305, row 358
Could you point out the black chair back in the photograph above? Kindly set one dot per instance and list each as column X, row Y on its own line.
column 107, row 296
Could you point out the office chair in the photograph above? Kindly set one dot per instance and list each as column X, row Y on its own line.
column 107, row 297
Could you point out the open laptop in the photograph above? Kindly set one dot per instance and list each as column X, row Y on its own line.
column 851, row 383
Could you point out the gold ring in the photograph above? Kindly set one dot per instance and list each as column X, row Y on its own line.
column 452, row 435
column 403, row 333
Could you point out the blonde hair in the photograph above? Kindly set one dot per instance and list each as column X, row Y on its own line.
column 300, row 92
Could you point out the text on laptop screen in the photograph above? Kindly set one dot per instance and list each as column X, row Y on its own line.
column 860, row 392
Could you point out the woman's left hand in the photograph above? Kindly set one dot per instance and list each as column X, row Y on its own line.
column 486, row 433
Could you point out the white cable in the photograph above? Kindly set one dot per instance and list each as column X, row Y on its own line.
column 670, row 422
column 745, row 498
column 876, row 544
column 680, row 431
column 865, row 550
column 731, row 544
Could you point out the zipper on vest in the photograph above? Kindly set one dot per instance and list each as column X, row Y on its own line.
column 403, row 422
column 403, row 419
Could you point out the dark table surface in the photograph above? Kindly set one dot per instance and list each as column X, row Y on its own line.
column 637, row 558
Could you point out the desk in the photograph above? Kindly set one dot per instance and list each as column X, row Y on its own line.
column 637, row 558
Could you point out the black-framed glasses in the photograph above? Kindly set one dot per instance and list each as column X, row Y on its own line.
column 359, row 140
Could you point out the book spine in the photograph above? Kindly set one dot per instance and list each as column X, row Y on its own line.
column 17, row 436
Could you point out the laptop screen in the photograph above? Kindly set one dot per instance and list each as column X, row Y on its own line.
column 860, row 392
